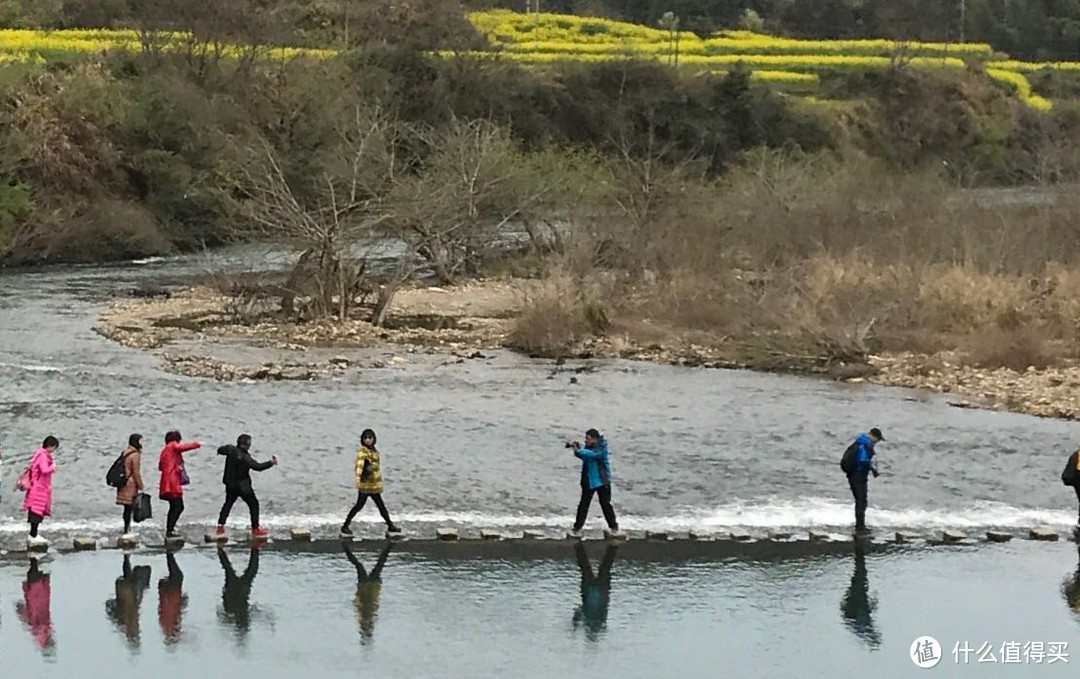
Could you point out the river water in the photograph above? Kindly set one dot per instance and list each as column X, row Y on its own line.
column 541, row 611
column 479, row 444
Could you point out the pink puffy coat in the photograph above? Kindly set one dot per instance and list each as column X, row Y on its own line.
column 39, row 497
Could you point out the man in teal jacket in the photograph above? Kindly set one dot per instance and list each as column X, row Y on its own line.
column 595, row 479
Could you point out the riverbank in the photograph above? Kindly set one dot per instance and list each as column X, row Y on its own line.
column 196, row 334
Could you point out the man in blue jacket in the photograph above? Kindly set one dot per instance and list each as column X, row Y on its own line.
column 595, row 479
column 858, row 464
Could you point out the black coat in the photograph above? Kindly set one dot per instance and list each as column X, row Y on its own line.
column 238, row 467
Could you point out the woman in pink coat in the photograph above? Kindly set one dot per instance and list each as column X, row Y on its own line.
column 38, row 502
column 35, row 608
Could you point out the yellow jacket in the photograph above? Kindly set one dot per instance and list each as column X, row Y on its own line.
column 371, row 483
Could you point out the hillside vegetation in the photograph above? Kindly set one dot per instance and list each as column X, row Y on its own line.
column 781, row 201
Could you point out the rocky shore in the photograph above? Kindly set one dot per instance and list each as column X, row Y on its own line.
column 196, row 333
column 1049, row 392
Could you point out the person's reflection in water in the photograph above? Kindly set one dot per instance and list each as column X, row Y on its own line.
column 171, row 601
column 35, row 608
column 236, row 595
column 1071, row 589
column 858, row 606
column 124, row 609
column 368, row 589
column 592, row 614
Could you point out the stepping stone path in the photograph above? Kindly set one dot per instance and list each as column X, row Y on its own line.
column 1043, row 535
column 997, row 536
column 447, row 534
column 952, row 536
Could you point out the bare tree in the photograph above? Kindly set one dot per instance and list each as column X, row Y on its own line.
column 474, row 184
column 327, row 216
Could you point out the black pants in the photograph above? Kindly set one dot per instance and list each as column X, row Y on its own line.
column 604, row 493
column 859, row 487
column 176, row 508
column 35, row 521
column 245, row 494
column 129, row 510
column 1077, row 489
column 361, row 499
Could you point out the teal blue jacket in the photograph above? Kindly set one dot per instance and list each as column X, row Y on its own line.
column 595, row 466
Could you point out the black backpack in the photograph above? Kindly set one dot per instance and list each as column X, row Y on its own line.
column 1071, row 477
column 116, row 477
column 847, row 462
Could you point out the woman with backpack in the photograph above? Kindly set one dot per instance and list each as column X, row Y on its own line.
column 37, row 482
column 131, row 459
column 173, row 478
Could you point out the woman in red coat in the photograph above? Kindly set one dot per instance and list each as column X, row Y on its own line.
column 171, row 465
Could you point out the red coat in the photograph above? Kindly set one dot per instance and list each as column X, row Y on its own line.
column 169, row 464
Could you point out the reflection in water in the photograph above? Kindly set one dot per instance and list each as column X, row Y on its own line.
column 171, row 601
column 236, row 608
column 368, row 588
column 35, row 608
column 124, row 609
column 595, row 592
column 858, row 606
column 1071, row 588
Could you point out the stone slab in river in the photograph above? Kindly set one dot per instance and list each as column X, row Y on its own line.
column 532, row 535
column 300, row 535
column 614, row 536
column 127, row 543
column 739, row 535
column 487, row 534
column 1043, row 534
column 779, row 535
column 394, row 536
column 819, row 537
column 212, row 537
column 904, row 536
column 84, row 544
column 950, row 536
column 447, row 534
column 998, row 536
column 656, row 535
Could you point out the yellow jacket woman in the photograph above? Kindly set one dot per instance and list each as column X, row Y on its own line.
column 369, row 483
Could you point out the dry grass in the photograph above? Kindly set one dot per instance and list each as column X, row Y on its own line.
column 822, row 264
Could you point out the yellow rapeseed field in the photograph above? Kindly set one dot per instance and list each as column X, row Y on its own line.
column 76, row 43
column 550, row 38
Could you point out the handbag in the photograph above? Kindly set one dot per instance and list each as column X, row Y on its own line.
column 143, row 509
column 23, row 483
column 184, row 480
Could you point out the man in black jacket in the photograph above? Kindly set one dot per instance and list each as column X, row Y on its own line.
column 237, row 479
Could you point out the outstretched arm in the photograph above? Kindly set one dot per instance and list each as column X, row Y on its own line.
column 191, row 445
column 258, row 466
